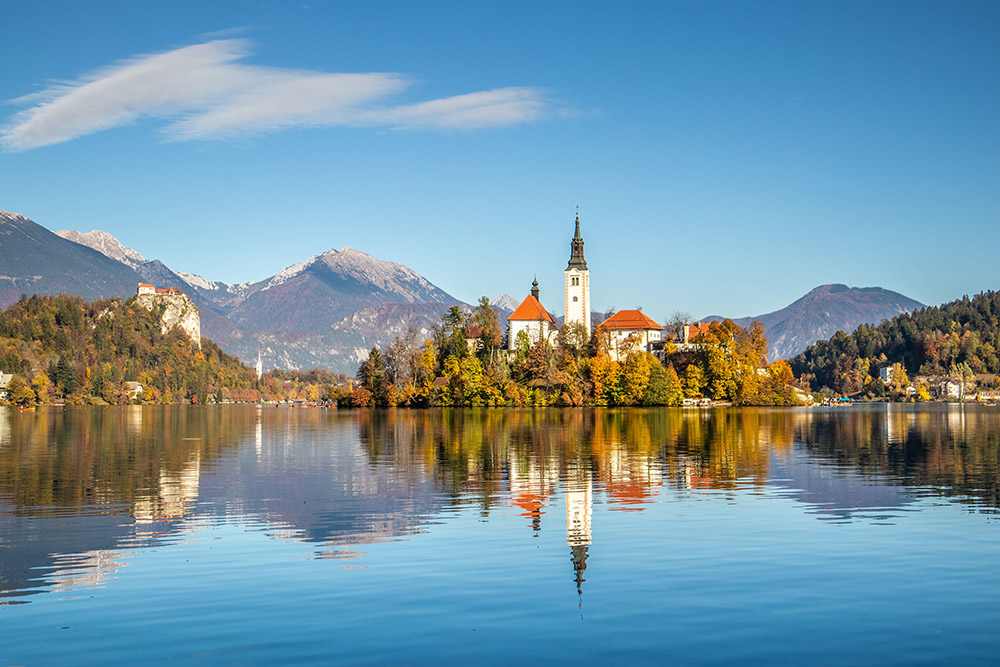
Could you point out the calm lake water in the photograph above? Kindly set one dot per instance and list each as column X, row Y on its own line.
column 243, row 535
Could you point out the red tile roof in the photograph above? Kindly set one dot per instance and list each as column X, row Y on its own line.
column 629, row 319
column 698, row 328
column 531, row 310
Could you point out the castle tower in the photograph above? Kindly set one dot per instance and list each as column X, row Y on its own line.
column 578, row 283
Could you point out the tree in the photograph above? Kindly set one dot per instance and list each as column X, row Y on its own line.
column 899, row 380
column 42, row 387
column 674, row 324
column 635, row 377
column 604, row 376
column 451, row 334
column 371, row 374
column 19, row 392
column 694, row 381
column 664, row 386
column 490, row 336
column 572, row 338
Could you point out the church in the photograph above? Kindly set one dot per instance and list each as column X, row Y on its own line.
column 627, row 329
column 532, row 318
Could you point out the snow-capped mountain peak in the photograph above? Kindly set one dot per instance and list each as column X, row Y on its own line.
column 505, row 302
column 289, row 272
column 106, row 244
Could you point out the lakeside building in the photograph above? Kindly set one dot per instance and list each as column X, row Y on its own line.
column 629, row 331
column 531, row 318
column 5, row 379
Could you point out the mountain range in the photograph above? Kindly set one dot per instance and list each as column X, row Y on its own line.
column 823, row 312
column 325, row 312
column 329, row 310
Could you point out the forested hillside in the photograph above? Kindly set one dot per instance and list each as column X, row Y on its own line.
column 62, row 347
column 958, row 339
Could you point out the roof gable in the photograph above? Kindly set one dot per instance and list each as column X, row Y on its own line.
column 531, row 310
column 699, row 328
column 629, row 319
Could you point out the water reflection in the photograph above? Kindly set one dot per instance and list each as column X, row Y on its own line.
column 79, row 487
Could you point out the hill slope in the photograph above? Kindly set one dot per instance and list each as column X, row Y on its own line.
column 824, row 311
column 317, row 313
column 933, row 340
column 34, row 260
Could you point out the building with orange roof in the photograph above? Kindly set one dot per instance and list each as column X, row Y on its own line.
column 145, row 288
column 691, row 331
column 630, row 331
column 688, row 333
column 531, row 318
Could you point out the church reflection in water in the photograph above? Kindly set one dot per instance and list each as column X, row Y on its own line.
column 79, row 488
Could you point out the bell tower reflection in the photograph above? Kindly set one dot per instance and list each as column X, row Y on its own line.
column 579, row 508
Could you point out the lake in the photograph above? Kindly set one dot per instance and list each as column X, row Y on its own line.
column 245, row 534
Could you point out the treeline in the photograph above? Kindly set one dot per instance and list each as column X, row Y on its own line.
column 464, row 363
column 64, row 348
column 958, row 340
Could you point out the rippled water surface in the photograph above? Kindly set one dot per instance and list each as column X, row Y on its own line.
column 242, row 535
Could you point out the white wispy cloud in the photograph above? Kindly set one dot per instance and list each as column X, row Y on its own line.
column 204, row 92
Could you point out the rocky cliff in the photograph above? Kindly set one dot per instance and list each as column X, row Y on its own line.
column 178, row 311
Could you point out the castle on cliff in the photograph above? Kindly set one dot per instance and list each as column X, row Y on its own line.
column 178, row 310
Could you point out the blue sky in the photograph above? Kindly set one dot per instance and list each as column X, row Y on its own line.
column 726, row 157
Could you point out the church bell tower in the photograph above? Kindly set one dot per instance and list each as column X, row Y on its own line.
column 578, row 283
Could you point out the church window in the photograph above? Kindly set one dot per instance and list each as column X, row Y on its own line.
column 575, row 281
column 575, row 299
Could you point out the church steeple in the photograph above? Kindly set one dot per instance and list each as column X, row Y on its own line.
column 576, row 260
column 578, row 283
column 534, row 287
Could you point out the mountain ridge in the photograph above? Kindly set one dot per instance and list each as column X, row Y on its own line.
column 333, row 305
column 823, row 311
column 296, row 316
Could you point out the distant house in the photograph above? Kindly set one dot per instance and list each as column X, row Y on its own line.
column 692, row 331
column 5, row 379
column 146, row 288
column 688, row 333
column 885, row 374
column 133, row 388
column 628, row 331
column 531, row 318
column 950, row 389
column 472, row 335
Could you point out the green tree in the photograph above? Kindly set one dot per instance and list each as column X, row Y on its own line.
column 490, row 334
column 664, row 386
column 372, row 375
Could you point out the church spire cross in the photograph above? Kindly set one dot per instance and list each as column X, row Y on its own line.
column 576, row 260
